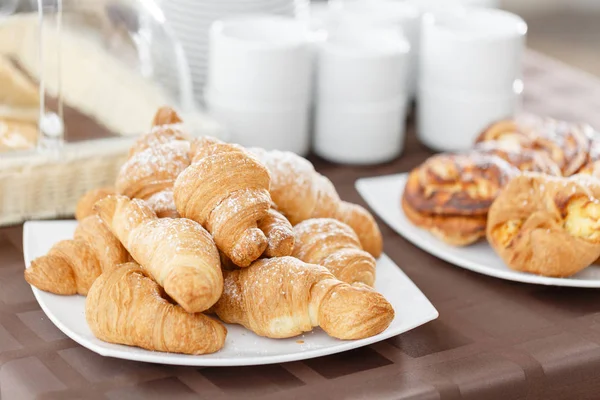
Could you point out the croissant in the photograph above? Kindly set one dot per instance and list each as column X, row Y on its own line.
column 166, row 127
column 279, row 233
column 546, row 225
column 334, row 245
column 301, row 193
column 87, row 201
column 71, row 266
column 155, row 161
column 227, row 191
column 284, row 297
column 177, row 253
column 566, row 143
column 126, row 307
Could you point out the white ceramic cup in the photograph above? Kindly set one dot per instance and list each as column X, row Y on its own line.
column 352, row 14
column 362, row 134
column 472, row 48
column 260, row 58
column 285, row 129
column 450, row 120
column 361, row 66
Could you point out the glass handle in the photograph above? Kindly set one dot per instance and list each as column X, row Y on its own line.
column 51, row 122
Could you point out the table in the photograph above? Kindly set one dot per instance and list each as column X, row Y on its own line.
column 494, row 339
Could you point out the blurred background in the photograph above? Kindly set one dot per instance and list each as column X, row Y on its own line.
column 568, row 30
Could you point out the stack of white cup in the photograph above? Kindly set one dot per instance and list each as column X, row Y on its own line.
column 361, row 95
column 384, row 14
column 259, row 81
column 470, row 71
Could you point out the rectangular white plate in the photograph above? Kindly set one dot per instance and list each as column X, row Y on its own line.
column 383, row 195
column 242, row 347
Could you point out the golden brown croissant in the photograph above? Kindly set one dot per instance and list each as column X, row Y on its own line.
column 334, row 245
column 279, row 233
column 86, row 203
column 450, row 194
column 126, row 307
column 566, row 143
column 284, row 297
column 301, row 193
column 546, row 225
column 155, row 161
column 177, row 253
column 153, row 170
column 227, row 191
column 71, row 266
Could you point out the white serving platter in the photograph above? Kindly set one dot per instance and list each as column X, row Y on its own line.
column 383, row 195
column 242, row 347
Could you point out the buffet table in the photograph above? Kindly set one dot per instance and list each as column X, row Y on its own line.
column 494, row 339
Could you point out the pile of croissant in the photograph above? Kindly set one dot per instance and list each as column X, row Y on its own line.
column 530, row 185
column 200, row 227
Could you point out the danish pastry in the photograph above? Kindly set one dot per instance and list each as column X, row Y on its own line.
column 546, row 225
column 450, row 194
column 565, row 142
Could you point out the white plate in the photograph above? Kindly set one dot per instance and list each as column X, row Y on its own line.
column 383, row 196
column 242, row 347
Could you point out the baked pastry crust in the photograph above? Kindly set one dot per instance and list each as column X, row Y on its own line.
column 85, row 205
column 226, row 190
column 283, row 297
column 176, row 252
column 524, row 159
column 546, row 225
column 301, row 193
column 334, row 245
column 567, row 143
column 450, row 194
column 457, row 184
column 125, row 306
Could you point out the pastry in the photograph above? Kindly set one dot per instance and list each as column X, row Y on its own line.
column 301, row 193
column 524, row 159
column 177, row 253
column 125, row 306
column 71, row 266
column 334, row 245
column 546, row 225
column 155, row 161
column 592, row 164
column 227, row 191
column 284, row 297
column 166, row 127
column 279, row 233
column 17, row 135
column 450, row 194
column 566, row 143
column 86, row 203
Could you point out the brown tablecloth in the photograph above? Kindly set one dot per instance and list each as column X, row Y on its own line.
column 494, row 339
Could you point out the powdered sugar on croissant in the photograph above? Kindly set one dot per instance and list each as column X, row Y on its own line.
column 227, row 191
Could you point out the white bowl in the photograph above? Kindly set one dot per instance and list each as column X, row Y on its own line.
column 473, row 48
column 361, row 65
column 382, row 13
column 265, row 58
column 286, row 130
column 361, row 134
column 451, row 122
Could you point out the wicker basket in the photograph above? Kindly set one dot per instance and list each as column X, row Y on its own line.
column 35, row 186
